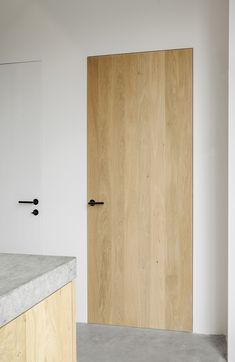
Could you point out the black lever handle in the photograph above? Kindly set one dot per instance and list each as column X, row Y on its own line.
column 93, row 203
column 35, row 202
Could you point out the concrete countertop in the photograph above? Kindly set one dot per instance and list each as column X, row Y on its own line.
column 26, row 280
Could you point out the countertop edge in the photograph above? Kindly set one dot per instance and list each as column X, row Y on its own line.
column 33, row 292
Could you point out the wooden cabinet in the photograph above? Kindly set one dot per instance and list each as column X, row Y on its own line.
column 45, row 333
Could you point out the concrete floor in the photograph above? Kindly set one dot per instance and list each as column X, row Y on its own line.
column 96, row 343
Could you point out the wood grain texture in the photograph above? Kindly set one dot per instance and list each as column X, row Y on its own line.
column 13, row 341
column 44, row 333
column 50, row 328
column 140, row 165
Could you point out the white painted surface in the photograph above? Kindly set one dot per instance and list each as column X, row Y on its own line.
column 20, row 135
column 231, row 264
column 62, row 34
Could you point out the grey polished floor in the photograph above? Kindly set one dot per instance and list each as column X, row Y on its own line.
column 96, row 343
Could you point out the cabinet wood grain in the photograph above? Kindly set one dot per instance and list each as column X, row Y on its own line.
column 13, row 341
column 46, row 332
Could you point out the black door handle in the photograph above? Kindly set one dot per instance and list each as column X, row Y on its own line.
column 35, row 202
column 35, row 212
column 93, row 203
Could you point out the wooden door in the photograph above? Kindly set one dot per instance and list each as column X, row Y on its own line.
column 140, row 166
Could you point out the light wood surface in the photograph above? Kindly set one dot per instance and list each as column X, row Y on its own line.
column 13, row 341
column 140, row 165
column 44, row 333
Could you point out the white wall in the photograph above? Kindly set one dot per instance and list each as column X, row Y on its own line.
column 62, row 33
column 231, row 282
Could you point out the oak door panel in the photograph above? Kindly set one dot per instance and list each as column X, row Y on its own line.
column 140, row 165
